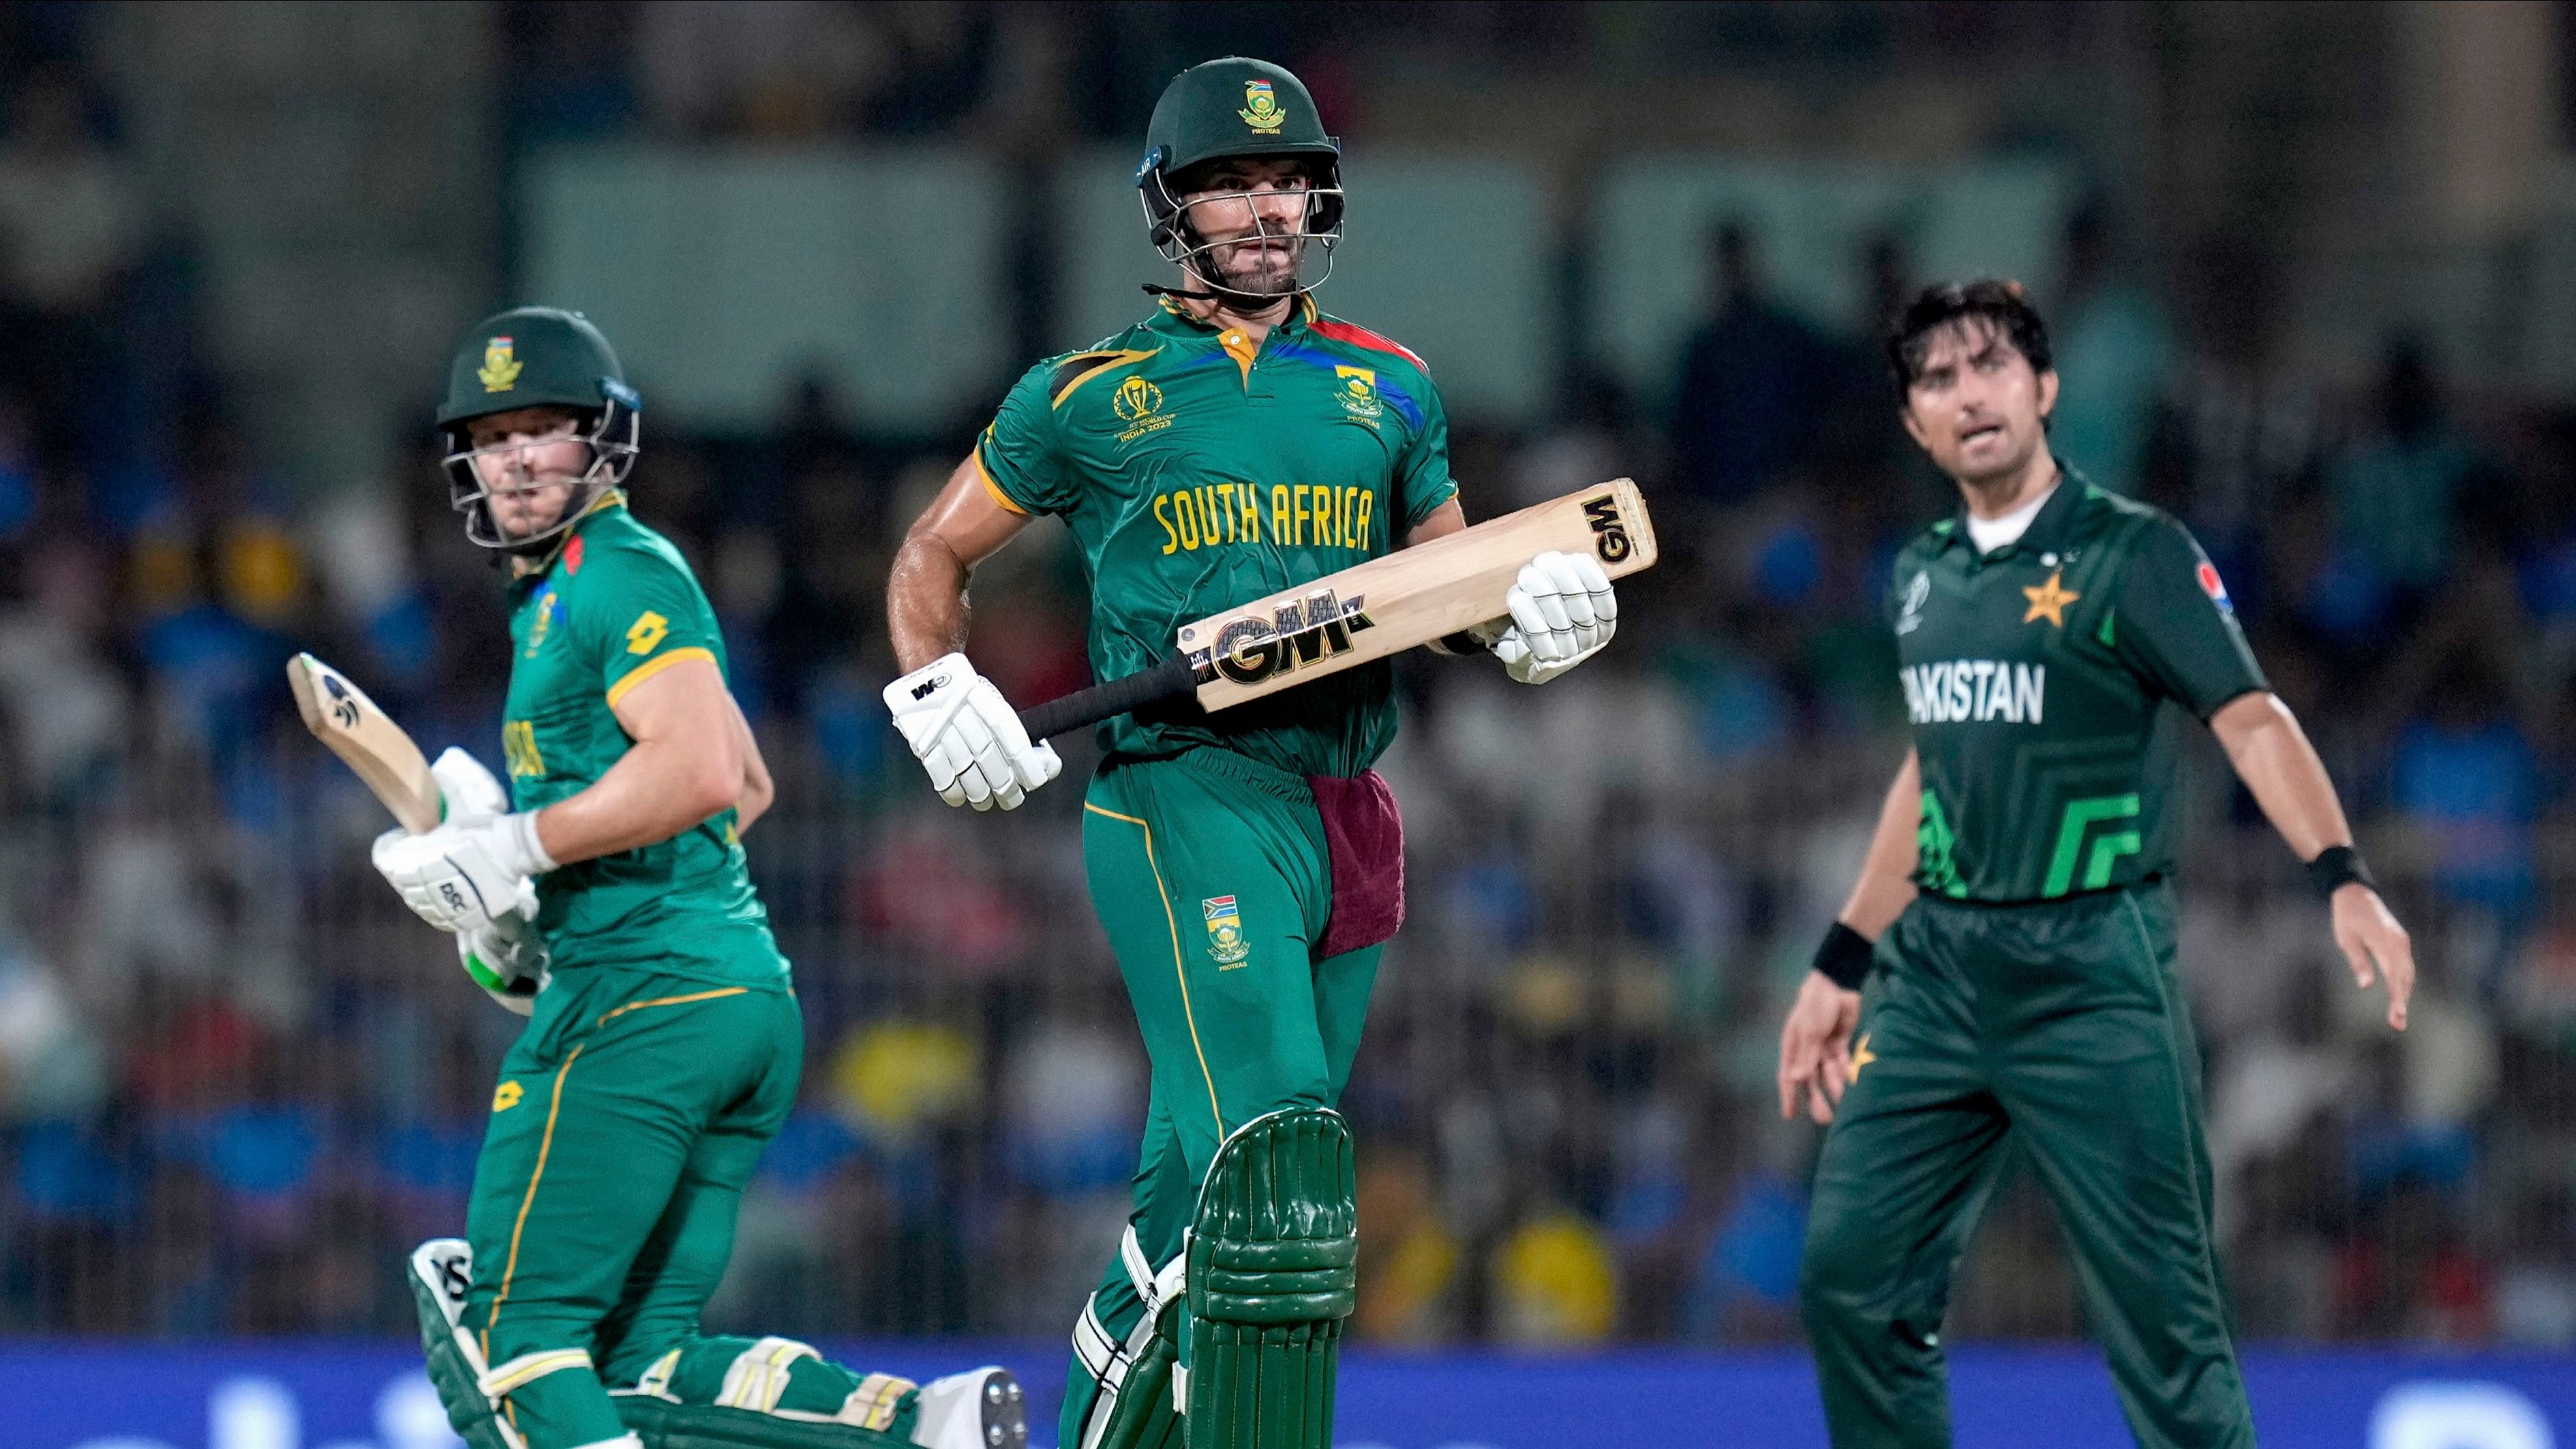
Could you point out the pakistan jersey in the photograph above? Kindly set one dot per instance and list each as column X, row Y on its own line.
column 615, row 607
column 1197, row 472
column 2034, row 676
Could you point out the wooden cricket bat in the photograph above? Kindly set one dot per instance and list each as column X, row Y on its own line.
column 367, row 740
column 1369, row 611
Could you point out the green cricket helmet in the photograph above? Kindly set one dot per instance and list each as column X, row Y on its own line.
column 1228, row 109
column 537, row 357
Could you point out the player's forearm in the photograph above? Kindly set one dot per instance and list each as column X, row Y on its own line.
column 655, row 791
column 2274, row 759
column 758, row 790
column 1446, row 519
column 1886, row 883
column 926, row 612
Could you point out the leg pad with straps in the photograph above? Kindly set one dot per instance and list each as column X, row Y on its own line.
column 1134, row 1405
column 1271, row 1276
column 442, row 1270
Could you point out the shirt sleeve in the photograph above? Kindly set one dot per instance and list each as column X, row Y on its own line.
column 640, row 614
column 1020, row 454
column 1422, row 481
column 2172, row 623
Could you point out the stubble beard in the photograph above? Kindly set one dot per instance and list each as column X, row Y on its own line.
column 1263, row 273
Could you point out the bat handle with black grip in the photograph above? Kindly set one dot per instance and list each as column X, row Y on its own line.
column 1166, row 680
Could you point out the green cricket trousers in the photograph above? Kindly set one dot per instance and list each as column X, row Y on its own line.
column 1213, row 880
column 2058, row 1026
column 628, row 1118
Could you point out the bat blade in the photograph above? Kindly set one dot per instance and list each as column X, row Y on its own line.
column 1409, row 597
column 367, row 740
column 1371, row 610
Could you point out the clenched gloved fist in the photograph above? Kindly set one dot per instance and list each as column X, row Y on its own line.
column 1562, row 612
column 508, row 958
column 465, row 875
column 968, row 737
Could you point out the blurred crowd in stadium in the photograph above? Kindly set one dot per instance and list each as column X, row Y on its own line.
column 236, row 1079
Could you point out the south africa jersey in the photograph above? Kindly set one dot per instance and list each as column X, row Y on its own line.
column 1198, row 472
column 2034, row 676
column 616, row 607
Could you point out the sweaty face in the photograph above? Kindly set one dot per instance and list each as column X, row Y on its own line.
column 1976, row 405
column 1254, row 214
column 529, row 461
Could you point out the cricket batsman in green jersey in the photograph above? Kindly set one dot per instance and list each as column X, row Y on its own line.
column 1247, row 865
column 2004, row 968
column 613, row 909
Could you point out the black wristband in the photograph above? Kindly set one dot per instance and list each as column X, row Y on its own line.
column 1845, row 956
column 2338, row 866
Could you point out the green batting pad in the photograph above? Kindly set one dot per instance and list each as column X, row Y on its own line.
column 460, row 1388
column 1144, row 1416
column 1271, row 1277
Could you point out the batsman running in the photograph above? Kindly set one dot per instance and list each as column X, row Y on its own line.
column 2021, row 986
column 613, row 908
column 1247, row 865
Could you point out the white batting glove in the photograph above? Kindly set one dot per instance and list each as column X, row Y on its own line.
column 464, row 875
column 469, row 791
column 1562, row 612
column 508, row 958
column 968, row 737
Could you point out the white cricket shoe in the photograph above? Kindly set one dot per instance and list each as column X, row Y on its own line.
column 978, row 1409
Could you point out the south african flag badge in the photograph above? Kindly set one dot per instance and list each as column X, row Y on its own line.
column 1226, row 945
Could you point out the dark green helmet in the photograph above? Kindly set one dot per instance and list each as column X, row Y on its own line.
column 1226, row 109
column 538, row 357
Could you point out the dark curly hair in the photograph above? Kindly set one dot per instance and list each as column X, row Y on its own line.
column 2002, row 304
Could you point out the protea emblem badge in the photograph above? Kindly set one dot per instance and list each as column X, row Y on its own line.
column 500, row 370
column 1261, row 110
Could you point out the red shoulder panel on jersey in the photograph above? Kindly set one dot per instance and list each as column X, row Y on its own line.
column 1358, row 336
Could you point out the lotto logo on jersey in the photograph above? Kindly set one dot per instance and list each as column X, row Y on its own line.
column 1226, row 945
column 2215, row 587
column 646, row 632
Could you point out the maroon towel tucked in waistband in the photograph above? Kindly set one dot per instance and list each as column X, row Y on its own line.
column 1364, row 835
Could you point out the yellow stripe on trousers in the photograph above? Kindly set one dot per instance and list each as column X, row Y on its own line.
column 1178, row 971
column 546, row 1144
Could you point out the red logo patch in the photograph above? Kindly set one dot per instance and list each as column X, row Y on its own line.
column 2210, row 585
column 572, row 561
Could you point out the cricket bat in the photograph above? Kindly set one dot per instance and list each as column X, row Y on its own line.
column 367, row 740
column 1369, row 611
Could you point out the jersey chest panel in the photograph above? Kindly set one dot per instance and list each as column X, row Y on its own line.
column 2024, row 718
column 1962, row 629
column 1220, row 494
column 557, row 733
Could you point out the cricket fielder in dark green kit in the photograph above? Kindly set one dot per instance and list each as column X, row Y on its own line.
column 2021, row 986
column 1246, row 865
column 613, row 908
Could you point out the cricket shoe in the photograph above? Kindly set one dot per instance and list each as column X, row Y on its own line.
column 978, row 1409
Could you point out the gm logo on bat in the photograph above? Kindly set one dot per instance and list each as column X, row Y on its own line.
column 1249, row 651
column 1609, row 531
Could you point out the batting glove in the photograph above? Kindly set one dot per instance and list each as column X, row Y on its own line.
column 1562, row 613
column 968, row 737
column 466, row 790
column 464, row 875
column 508, row 958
